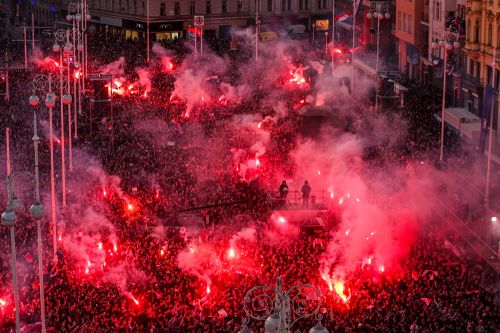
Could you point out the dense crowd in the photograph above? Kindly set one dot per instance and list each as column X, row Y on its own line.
column 140, row 286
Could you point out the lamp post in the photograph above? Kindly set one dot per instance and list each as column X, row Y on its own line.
column 9, row 219
column 314, row 33
column 378, row 10
column 60, row 36
column 74, row 16
column 448, row 43
column 257, row 29
column 37, row 211
column 40, row 83
column 281, row 309
column 326, row 44
column 333, row 32
column 490, row 137
column 147, row 31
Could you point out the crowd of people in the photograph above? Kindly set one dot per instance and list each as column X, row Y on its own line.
column 172, row 169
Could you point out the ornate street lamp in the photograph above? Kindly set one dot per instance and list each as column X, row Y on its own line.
column 281, row 309
column 379, row 10
column 448, row 43
column 37, row 211
column 9, row 219
column 43, row 84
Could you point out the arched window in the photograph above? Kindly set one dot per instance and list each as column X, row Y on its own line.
column 476, row 32
column 490, row 34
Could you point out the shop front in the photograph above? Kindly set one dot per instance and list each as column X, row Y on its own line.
column 158, row 30
column 134, row 29
column 167, row 30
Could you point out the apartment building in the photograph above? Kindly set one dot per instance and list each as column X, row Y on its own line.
column 482, row 42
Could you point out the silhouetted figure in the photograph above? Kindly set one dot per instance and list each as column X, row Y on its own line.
column 306, row 190
column 283, row 191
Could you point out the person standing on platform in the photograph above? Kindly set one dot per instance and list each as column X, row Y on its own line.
column 283, row 192
column 306, row 190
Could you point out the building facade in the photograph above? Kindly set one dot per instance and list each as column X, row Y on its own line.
column 168, row 19
column 481, row 44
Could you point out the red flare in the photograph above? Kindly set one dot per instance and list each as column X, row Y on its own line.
column 231, row 253
column 339, row 289
column 2, row 302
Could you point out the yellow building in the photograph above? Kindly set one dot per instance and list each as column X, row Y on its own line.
column 482, row 40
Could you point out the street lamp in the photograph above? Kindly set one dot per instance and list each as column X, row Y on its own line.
column 257, row 29
column 60, row 37
column 281, row 309
column 448, row 43
column 9, row 219
column 314, row 33
column 40, row 83
column 75, row 9
column 37, row 212
column 378, row 10
column 326, row 43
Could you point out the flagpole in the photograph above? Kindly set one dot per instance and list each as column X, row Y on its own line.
column 333, row 31
column 353, row 40
column 488, row 168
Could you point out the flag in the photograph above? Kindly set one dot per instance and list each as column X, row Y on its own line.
column 426, row 300
column 358, row 4
column 485, row 116
column 222, row 313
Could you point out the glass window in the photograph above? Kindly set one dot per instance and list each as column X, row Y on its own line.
column 162, row 9
column 410, row 18
column 404, row 22
column 208, row 7
column 224, row 6
column 240, row 6
column 192, row 7
column 399, row 20
column 269, row 5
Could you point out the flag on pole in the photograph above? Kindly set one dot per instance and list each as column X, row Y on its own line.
column 358, row 4
column 485, row 116
column 487, row 106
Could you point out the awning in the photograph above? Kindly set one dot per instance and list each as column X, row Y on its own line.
column 365, row 67
column 466, row 123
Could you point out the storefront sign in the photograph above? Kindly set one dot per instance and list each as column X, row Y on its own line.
column 166, row 26
column 134, row 25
